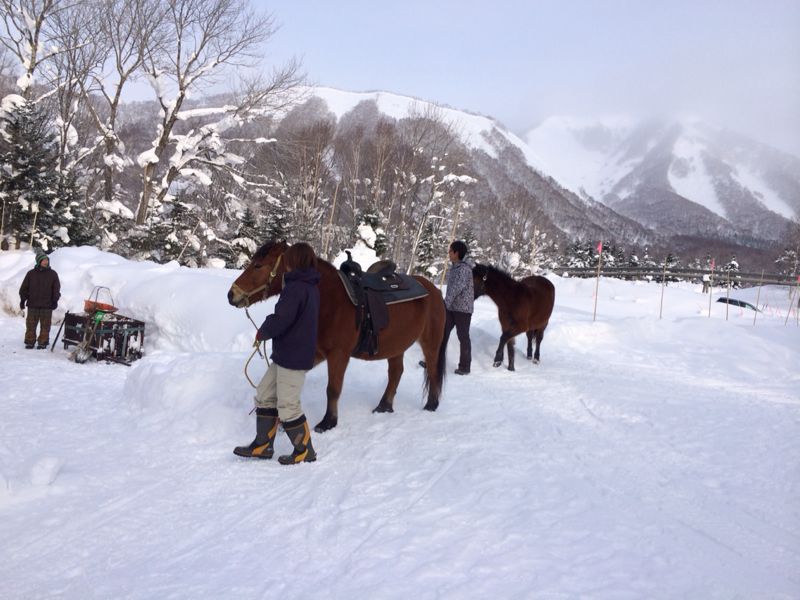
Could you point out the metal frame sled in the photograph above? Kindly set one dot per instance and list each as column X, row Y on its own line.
column 101, row 333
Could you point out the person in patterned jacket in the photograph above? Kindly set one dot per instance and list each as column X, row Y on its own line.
column 459, row 302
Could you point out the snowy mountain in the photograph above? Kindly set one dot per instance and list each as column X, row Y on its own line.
column 506, row 165
column 677, row 177
column 639, row 182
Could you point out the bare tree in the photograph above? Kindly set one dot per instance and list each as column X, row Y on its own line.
column 124, row 30
column 204, row 37
column 28, row 37
column 66, row 75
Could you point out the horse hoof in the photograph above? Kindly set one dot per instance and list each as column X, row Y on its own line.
column 383, row 408
column 511, row 369
column 324, row 426
column 497, row 363
column 431, row 406
column 536, row 361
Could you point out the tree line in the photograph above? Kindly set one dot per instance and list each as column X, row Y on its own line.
column 204, row 179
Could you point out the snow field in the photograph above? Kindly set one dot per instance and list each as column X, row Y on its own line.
column 641, row 458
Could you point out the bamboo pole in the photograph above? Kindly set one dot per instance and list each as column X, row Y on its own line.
column 3, row 221
column 791, row 300
column 663, row 284
column 710, row 288
column 728, row 294
column 597, row 284
column 758, row 296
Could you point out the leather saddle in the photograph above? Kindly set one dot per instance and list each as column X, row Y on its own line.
column 371, row 292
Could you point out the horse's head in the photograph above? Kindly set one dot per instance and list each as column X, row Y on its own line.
column 261, row 278
column 479, row 275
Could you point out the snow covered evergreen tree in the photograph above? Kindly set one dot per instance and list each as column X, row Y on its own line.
column 28, row 181
column 370, row 231
column 428, row 259
column 730, row 271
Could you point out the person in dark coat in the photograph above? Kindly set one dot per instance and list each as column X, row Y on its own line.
column 293, row 331
column 40, row 291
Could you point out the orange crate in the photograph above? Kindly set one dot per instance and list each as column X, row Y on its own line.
column 91, row 306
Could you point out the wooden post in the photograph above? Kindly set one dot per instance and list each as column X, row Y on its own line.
column 710, row 288
column 663, row 284
column 758, row 295
column 597, row 284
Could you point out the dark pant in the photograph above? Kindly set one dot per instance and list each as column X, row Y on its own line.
column 460, row 320
column 42, row 317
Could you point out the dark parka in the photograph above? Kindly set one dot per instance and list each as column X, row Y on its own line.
column 293, row 326
column 40, row 288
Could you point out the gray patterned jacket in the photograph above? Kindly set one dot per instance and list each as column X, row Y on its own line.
column 460, row 296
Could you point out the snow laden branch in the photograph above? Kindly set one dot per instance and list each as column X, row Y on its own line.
column 204, row 36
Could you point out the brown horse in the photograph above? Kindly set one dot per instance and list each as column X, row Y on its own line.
column 420, row 320
column 524, row 305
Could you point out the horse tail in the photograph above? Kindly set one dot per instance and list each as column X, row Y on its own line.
column 433, row 388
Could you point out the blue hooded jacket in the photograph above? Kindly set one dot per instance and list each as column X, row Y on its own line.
column 293, row 326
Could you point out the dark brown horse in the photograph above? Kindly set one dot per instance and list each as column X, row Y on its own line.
column 420, row 320
column 524, row 305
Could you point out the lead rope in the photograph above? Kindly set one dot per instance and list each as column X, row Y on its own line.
column 257, row 346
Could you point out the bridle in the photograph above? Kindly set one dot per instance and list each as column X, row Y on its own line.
column 266, row 287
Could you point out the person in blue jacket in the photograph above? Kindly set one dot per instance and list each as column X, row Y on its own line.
column 293, row 331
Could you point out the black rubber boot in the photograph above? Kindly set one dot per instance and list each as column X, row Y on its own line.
column 300, row 437
column 266, row 428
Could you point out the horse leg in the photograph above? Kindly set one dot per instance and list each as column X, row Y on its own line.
column 510, row 347
column 539, row 337
column 395, row 372
column 529, row 353
column 337, row 364
column 498, row 356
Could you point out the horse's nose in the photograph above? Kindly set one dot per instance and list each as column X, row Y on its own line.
column 230, row 298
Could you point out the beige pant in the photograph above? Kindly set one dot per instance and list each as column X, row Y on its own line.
column 280, row 388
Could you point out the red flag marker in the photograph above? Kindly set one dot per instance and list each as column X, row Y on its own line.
column 600, row 247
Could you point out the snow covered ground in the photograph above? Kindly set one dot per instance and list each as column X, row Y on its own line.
column 643, row 458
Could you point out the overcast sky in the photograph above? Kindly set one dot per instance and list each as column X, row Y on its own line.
column 734, row 63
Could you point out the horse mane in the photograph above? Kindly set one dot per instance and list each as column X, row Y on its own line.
column 269, row 244
column 487, row 270
column 264, row 250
